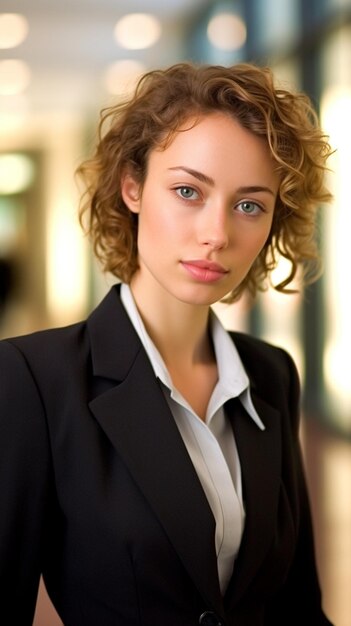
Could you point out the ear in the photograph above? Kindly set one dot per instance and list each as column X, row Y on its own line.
column 131, row 193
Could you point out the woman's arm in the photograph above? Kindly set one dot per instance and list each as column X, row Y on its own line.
column 24, row 486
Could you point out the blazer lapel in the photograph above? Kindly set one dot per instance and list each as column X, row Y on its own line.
column 260, row 454
column 135, row 416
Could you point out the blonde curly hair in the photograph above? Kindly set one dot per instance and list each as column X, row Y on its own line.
column 163, row 100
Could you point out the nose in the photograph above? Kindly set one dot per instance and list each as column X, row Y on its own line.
column 214, row 227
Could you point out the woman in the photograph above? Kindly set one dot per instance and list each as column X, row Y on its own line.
column 150, row 461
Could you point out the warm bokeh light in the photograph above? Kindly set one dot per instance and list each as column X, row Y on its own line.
column 17, row 172
column 121, row 77
column 280, row 323
column 13, row 30
column 14, row 77
column 14, row 114
column 336, row 107
column 226, row 31
column 137, row 31
column 66, row 247
column 66, row 262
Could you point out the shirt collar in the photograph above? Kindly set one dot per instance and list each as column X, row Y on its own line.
column 155, row 357
column 232, row 378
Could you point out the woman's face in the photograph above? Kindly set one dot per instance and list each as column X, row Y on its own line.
column 205, row 211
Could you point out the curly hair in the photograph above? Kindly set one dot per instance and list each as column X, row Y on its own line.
column 163, row 100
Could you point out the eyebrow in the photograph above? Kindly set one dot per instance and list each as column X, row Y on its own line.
column 210, row 181
column 199, row 175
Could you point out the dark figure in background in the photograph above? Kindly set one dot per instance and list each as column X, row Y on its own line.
column 6, row 281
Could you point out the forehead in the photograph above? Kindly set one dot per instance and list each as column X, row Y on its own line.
column 199, row 123
column 188, row 122
column 213, row 136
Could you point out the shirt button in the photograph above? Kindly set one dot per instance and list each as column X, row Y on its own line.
column 209, row 618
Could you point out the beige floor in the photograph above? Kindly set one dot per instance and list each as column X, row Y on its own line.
column 328, row 466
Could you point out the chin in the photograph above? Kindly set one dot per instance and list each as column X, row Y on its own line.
column 198, row 296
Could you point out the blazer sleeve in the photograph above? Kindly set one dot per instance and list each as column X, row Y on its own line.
column 24, row 486
column 299, row 601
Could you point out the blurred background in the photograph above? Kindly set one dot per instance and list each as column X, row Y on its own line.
column 61, row 62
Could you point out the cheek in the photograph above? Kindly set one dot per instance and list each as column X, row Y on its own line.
column 158, row 226
column 254, row 241
column 265, row 232
column 155, row 233
column 263, row 237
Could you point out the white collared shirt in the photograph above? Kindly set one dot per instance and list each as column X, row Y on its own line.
column 210, row 443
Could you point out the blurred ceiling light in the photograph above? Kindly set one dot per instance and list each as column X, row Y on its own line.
column 14, row 77
column 136, row 31
column 16, row 173
column 121, row 77
column 13, row 29
column 226, row 31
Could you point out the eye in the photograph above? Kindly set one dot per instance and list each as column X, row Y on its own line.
column 248, row 207
column 187, row 193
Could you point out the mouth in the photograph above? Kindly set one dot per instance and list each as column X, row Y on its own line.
column 204, row 271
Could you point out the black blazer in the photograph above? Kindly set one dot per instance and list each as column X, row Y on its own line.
column 99, row 495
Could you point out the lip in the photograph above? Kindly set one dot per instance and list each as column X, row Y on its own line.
column 204, row 271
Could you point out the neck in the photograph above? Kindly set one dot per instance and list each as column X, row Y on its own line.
column 178, row 329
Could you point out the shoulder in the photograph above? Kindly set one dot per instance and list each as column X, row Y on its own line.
column 44, row 341
column 40, row 371
column 253, row 346
column 67, row 351
column 45, row 350
column 273, row 375
column 264, row 361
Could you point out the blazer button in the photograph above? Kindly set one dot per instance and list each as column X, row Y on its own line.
column 209, row 618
